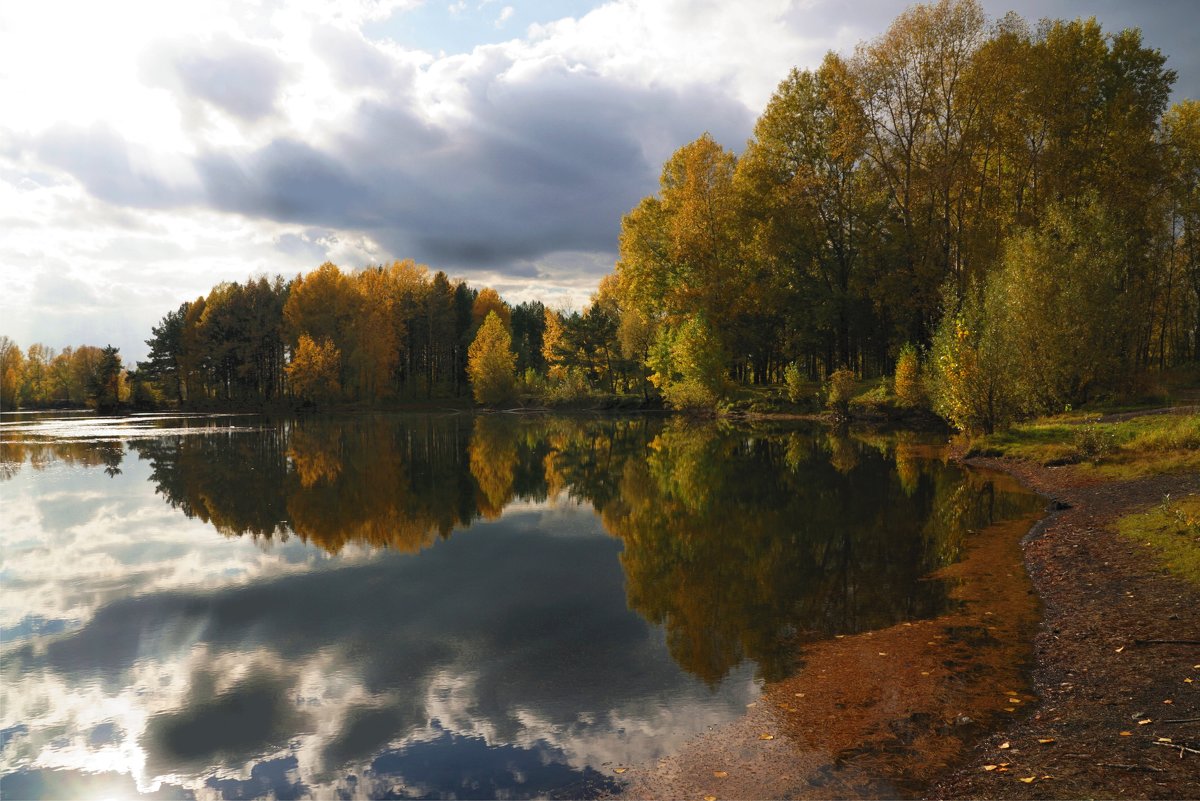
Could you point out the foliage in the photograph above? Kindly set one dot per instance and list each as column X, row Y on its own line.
column 908, row 385
column 971, row 366
column 105, row 387
column 313, row 371
column 1094, row 442
column 491, row 362
column 687, row 363
column 797, row 387
column 839, row 389
column 877, row 397
column 1059, row 311
column 12, row 371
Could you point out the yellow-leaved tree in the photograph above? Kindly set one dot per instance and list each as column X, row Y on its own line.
column 491, row 362
column 314, row 370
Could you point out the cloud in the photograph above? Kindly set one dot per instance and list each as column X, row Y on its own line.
column 544, row 162
column 103, row 160
column 237, row 77
column 504, row 16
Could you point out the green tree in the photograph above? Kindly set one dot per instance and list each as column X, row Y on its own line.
column 1058, row 307
column 104, row 392
column 491, row 362
column 688, row 364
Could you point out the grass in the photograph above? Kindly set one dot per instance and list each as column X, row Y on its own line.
column 1164, row 443
column 1172, row 531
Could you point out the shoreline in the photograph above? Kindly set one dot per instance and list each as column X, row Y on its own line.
column 1107, row 698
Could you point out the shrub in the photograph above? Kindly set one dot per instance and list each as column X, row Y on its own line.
column 910, row 389
column 796, row 385
column 1093, row 442
column 839, row 389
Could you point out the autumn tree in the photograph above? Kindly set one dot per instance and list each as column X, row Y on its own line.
column 488, row 300
column 12, row 368
column 314, row 370
column 907, row 383
column 491, row 362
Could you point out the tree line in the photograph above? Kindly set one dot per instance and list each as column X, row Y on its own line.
column 74, row 376
column 1018, row 203
column 1008, row 215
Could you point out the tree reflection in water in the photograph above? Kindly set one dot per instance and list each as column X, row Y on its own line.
column 739, row 541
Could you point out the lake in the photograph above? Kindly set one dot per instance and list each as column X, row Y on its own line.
column 451, row 605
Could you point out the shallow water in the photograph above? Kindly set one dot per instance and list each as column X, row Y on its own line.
column 435, row 605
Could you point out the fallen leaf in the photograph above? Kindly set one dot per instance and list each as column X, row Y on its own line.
column 720, row 774
column 1005, row 745
column 1144, row 722
column 1164, row 739
column 1122, row 648
column 765, row 736
column 881, row 653
column 1045, row 740
column 1047, row 777
column 1014, row 700
column 1187, row 681
column 1010, row 709
column 1168, row 701
column 1009, row 692
column 990, row 767
column 799, row 695
column 1005, row 764
column 710, row 798
column 1126, row 734
column 1029, row 779
column 620, row 770
column 926, row 673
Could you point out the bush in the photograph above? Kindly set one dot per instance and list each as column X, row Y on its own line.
column 839, row 389
column 1093, row 442
column 796, row 385
column 910, row 389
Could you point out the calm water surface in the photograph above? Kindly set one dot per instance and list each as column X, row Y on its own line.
column 437, row 606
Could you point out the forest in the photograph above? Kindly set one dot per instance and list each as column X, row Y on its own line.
column 1003, row 215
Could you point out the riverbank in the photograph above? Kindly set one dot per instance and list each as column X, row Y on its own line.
column 1116, row 700
column 992, row 703
column 837, row 728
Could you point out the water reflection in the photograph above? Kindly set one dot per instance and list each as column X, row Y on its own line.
column 614, row 587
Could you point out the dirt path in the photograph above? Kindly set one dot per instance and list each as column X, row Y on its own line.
column 1097, row 684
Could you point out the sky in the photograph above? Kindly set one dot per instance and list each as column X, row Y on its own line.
column 150, row 150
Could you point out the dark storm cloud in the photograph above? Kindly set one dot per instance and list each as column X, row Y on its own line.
column 545, row 164
column 239, row 78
